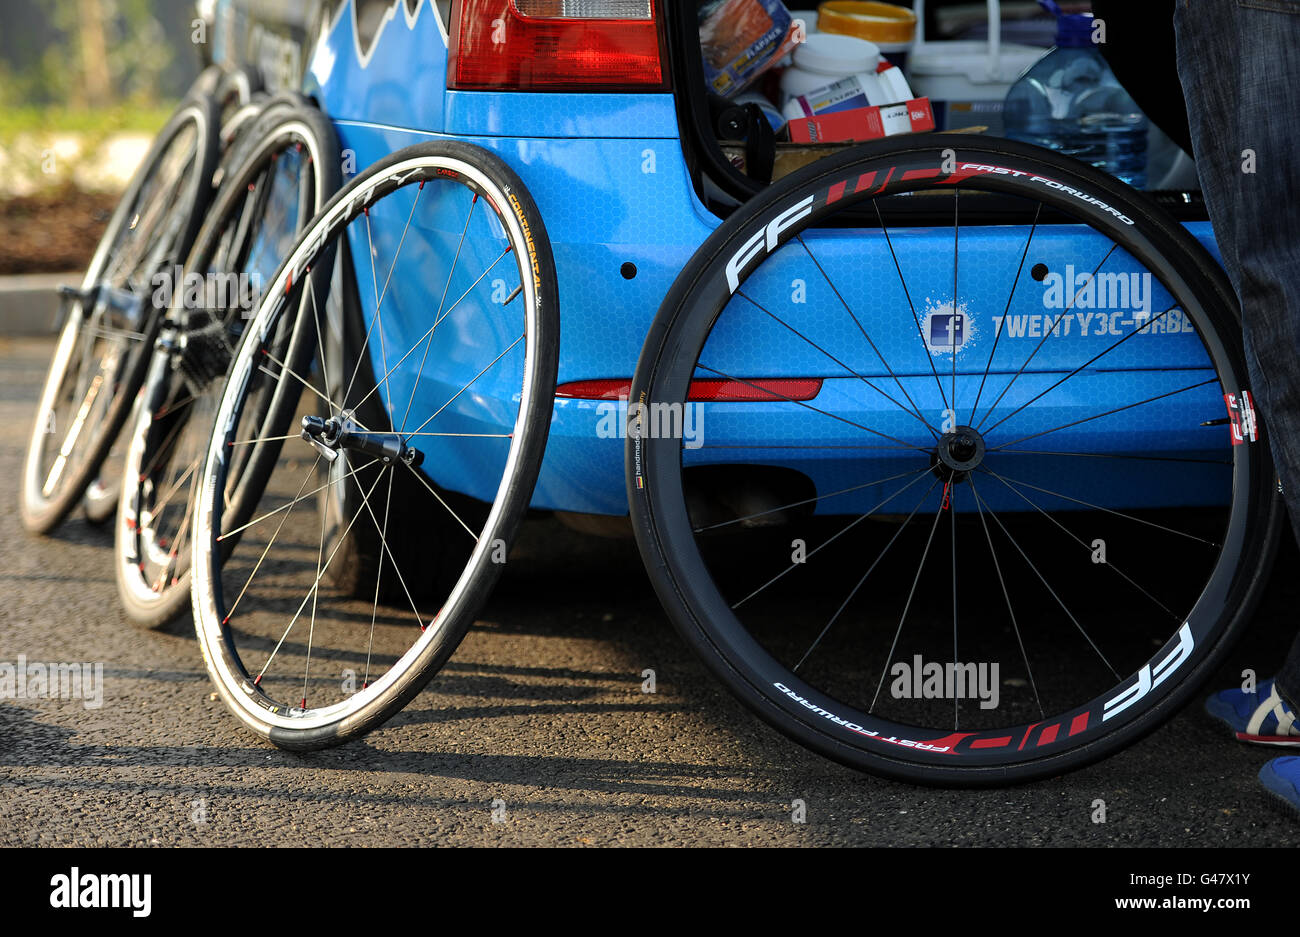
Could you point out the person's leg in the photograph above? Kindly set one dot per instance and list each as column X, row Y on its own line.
column 1287, row 680
column 1239, row 63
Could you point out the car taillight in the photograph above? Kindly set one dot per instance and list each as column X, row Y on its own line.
column 556, row 45
column 704, row 389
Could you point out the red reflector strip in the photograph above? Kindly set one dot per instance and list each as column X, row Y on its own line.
column 710, row 390
column 778, row 389
column 596, row 390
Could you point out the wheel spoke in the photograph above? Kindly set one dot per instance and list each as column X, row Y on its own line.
column 315, row 586
column 428, row 344
column 377, row 321
column 858, row 322
column 261, row 439
column 1094, row 358
column 285, row 507
column 1046, row 334
column 379, row 578
column 920, row 474
column 74, row 433
column 320, row 337
column 911, row 593
column 411, row 351
column 1081, row 543
column 1181, row 390
column 858, row 586
column 1046, row 585
column 819, row 348
column 920, row 333
column 997, row 566
column 175, row 486
column 471, row 382
column 423, row 481
column 300, row 379
column 1098, row 507
column 952, row 517
column 808, row 406
column 288, row 509
column 1005, row 312
column 956, row 230
column 813, row 500
column 383, row 542
column 315, row 597
column 1114, row 455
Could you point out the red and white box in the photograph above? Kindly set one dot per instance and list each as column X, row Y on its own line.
column 864, row 123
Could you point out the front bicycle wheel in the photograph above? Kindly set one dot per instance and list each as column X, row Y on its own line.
column 112, row 321
column 943, row 458
column 427, row 447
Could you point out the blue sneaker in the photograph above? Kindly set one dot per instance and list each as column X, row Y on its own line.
column 1260, row 717
column 1282, row 778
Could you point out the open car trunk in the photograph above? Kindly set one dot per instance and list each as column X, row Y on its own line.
column 718, row 165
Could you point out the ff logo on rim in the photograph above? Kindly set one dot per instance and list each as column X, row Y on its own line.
column 766, row 239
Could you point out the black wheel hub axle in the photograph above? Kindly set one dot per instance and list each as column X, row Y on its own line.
column 331, row 436
column 957, row 454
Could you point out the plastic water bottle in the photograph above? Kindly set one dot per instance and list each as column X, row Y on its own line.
column 1069, row 101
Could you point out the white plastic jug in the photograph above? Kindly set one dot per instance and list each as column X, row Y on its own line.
column 966, row 80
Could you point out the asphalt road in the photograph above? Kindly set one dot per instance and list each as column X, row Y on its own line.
column 537, row 732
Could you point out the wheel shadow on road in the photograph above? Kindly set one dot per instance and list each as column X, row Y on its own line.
column 29, row 742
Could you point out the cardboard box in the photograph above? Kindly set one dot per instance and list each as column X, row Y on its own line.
column 864, row 123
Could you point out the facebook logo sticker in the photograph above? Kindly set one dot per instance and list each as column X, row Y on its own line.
column 947, row 330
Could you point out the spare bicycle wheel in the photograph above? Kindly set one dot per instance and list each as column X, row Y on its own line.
column 288, row 169
column 449, row 269
column 944, row 461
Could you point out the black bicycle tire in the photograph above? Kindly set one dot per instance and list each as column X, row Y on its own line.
column 1192, row 265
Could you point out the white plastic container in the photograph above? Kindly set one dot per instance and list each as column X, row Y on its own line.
column 825, row 59
column 966, row 81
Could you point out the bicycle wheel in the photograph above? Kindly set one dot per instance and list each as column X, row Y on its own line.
column 112, row 321
column 456, row 284
column 239, row 110
column 931, row 462
column 283, row 177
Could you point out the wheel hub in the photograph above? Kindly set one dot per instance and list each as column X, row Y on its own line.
column 331, row 436
column 958, row 453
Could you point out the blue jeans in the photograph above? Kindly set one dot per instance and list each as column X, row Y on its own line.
column 1239, row 63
